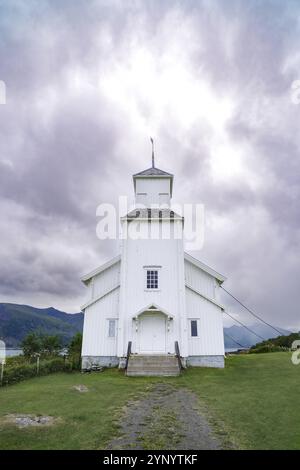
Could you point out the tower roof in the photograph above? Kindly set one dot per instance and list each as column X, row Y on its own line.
column 156, row 213
column 153, row 172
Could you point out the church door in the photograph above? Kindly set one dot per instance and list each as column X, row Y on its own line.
column 152, row 334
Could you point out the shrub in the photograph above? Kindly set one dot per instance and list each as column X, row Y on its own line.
column 25, row 366
column 74, row 351
column 12, row 361
column 16, row 373
column 266, row 348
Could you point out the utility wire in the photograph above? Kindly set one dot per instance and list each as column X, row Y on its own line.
column 230, row 337
column 252, row 313
column 247, row 328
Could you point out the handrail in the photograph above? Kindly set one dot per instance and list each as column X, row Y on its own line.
column 177, row 354
column 128, row 354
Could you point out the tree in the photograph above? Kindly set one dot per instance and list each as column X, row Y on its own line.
column 51, row 345
column 74, row 350
column 38, row 343
column 31, row 345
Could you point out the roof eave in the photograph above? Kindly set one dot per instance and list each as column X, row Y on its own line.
column 87, row 277
column 220, row 277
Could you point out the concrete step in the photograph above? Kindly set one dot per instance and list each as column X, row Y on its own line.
column 166, row 359
column 152, row 366
column 154, row 373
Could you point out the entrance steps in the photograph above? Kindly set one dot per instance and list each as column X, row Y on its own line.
column 152, row 365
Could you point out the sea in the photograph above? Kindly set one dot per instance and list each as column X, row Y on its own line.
column 228, row 350
column 13, row 352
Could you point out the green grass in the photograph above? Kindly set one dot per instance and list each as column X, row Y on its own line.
column 256, row 397
column 88, row 420
column 255, row 400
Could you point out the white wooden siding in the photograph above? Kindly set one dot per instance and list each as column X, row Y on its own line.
column 170, row 295
column 152, row 188
column 210, row 340
column 96, row 341
column 199, row 280
column 105, row 281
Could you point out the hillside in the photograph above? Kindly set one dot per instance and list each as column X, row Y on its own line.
column 16, row 321
column 275, row 344
column 246, row 338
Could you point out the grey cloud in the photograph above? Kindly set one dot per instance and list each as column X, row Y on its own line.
column 63, row 152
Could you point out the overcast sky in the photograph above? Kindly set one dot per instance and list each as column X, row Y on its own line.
column 88, row 82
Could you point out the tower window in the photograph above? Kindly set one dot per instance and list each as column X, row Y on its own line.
column 152, row 279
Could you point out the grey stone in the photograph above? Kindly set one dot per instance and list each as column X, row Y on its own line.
column 23, row 421
column 206, row 361
column 88, row 362
column 122, row 362
column 81, row 388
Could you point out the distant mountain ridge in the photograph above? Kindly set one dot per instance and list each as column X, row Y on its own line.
column 16, row 321
column 246, row 338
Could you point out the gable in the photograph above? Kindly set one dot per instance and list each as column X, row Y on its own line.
column 210, row 272
column 112, row 293
column 92, row 274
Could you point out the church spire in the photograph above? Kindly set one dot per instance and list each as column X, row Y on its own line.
column 152, row 142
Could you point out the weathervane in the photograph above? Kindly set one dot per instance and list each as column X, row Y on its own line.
column 152, row 142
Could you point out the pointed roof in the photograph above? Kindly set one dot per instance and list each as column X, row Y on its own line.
column 153, row 172
column 153, row 213
column 87, row 277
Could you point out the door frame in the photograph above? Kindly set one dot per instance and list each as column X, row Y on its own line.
column 153, row 314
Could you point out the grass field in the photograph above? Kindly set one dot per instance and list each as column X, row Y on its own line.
column 255, row 400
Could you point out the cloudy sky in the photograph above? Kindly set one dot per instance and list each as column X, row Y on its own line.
column 88, row 82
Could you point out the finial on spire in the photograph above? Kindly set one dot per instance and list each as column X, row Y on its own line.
column 152, row 142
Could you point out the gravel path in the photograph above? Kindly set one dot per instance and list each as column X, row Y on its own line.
column 165, row 418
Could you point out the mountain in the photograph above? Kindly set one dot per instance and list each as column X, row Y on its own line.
column 246, row 338
column 16, row 321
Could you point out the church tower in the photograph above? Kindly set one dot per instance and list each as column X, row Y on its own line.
column 152, row 295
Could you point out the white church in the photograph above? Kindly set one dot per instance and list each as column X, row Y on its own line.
column 154, row 308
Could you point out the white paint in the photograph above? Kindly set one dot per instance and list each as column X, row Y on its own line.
column 210, row 339
column 155, row 190
column 96, row 341
column 105, row 281
column 153, row 319
column 152, row 334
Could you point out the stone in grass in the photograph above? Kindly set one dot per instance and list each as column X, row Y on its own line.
column 23, row 421
column 81, row 388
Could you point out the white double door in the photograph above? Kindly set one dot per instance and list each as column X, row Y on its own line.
column 152, row 333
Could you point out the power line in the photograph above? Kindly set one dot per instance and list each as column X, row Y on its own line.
column 230, row 337
column 252, row 313
column 247, row 328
